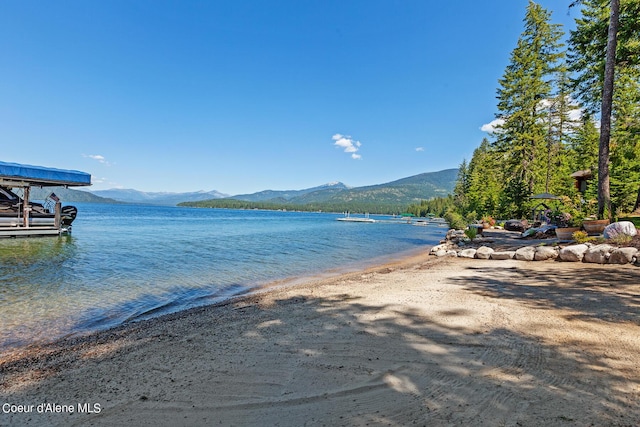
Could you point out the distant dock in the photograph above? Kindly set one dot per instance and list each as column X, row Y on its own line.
column 348, row 218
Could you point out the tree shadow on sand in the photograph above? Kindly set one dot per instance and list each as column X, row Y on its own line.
column 605, row 293
column 340, row 361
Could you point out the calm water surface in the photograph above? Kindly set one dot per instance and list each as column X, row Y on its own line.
column 126, row 262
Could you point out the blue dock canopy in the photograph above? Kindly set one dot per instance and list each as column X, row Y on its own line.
column 41, row 176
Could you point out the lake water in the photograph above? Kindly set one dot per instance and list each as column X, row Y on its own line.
column 126, row 262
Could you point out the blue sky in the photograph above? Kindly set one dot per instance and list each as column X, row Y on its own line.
column 242, row 96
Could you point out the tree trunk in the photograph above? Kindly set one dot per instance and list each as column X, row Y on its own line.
column 604, row 194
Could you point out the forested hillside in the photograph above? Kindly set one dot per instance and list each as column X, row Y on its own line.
column 547, row 127
column 392, row 197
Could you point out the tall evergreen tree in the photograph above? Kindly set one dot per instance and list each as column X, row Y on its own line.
column 483, row 182
column 462, row 186
column 561, row 124
column 526, row 85
column 598, row 48
column 583, row 152
column 625, row 145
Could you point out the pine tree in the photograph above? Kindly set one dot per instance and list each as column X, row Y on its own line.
column 625, row 145
column 560, row 126
column 614, row 101
column 462, row 186
column 583, row 152
column 526, row 85
column 483, row 186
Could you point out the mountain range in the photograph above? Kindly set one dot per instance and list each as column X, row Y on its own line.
column 401, row 192
column 157, row 198
column 338, row 197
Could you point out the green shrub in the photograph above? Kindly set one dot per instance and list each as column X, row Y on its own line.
column 582, row 237
column 621, row 239
column 471, row 217
column 455, row 220
column 471, row 232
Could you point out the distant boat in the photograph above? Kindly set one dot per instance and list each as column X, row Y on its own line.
column 348, row 218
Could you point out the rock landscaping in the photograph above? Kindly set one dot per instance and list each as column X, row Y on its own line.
column 503, row 245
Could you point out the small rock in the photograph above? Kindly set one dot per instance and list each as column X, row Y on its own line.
column 437, row 248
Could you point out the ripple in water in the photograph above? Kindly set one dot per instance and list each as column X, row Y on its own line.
column 126, row 262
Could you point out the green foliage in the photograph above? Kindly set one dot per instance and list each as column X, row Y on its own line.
column 586, row 58
column 374, row 207
column 587, row 45
column 621, row 239
column 582, row 237
column 537, row 146
column 484, row 187
column 471, row 232
column 523, row 137
column 436, row 207
column 471, row 217
column 634, row 219
column 625, row 145
column 455, row 220
column 389, row 198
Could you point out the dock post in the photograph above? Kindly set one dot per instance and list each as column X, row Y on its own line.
column 58, row 211
column 25, row 206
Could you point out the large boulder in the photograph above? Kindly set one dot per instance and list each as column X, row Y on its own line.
column 573, row 253
column 623, row 256
column 598, row 254
column 484, row 252
column 525, row 254
column 544, row 253
column 467, row 253
column 611, row 231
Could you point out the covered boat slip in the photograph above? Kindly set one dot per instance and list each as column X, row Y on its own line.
column 20, row 217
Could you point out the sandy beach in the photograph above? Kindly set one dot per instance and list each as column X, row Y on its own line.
column 424, row 341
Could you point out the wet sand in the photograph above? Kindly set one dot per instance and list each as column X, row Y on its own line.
column 425, row 341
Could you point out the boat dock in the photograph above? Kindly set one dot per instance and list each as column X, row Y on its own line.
column 19, row 217
column 348, row 218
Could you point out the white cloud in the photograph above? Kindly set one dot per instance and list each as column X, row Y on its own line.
column 492, row 126
column 575, row 115
column 420, row 149
column 97, row 157
column 348, row 144
column 572, row 122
